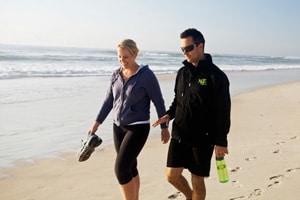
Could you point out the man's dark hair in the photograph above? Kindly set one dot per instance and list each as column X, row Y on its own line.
column 194, row 33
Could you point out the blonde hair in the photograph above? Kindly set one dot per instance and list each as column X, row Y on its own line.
column 130, row 45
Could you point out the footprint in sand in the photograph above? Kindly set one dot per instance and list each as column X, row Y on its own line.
column 237, row 184
column 277, row 151
column 235, row 169
column 174, row 196
column 256, row 192
column 240, row 197
column 279, row 143
column 250, row 159
column 276, row 177
column 293, row 138
column 292, row 170
column 275, row 180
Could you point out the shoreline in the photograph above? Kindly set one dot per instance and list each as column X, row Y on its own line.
column 263, row 144
column 240, row 82
column 71, row 105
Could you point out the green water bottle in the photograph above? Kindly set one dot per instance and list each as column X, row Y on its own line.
column 222, row 169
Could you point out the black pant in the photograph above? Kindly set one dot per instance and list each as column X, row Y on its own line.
column 129, row 141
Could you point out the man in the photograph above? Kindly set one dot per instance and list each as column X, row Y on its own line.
column 201, row 113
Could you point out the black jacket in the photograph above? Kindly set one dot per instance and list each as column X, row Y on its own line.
column 201, row 106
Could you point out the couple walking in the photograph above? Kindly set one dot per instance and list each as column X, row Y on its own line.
column 200, row 112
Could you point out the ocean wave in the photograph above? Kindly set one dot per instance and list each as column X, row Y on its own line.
column 49, row 58
column 27, row 61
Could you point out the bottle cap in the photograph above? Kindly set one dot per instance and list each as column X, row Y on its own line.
column 219, row 158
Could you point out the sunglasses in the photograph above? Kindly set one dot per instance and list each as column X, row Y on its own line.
column 189, row 48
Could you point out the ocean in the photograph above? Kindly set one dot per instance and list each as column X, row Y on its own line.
column 32, row 61
column 49, row 96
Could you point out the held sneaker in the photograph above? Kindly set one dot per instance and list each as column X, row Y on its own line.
column 88, row 147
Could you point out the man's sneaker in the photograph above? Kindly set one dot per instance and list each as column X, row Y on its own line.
column 88, row 147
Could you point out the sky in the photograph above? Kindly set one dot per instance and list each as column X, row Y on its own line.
column 246, row 27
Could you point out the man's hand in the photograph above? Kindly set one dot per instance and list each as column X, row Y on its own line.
column 220, row 151
column 165, row 135
column 163, row 119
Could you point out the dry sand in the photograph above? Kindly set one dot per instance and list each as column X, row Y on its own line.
column 263, row 161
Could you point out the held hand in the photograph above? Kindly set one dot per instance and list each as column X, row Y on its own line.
column 220, row 151
column 165, row 135
column 91, row 131
column 94, row 128
column 163, row 119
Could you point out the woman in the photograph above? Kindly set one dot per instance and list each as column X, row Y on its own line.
column 132, row 88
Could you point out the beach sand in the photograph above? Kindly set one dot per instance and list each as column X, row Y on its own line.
column 263, row 160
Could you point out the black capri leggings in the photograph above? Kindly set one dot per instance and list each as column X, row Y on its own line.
column 129, row 141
